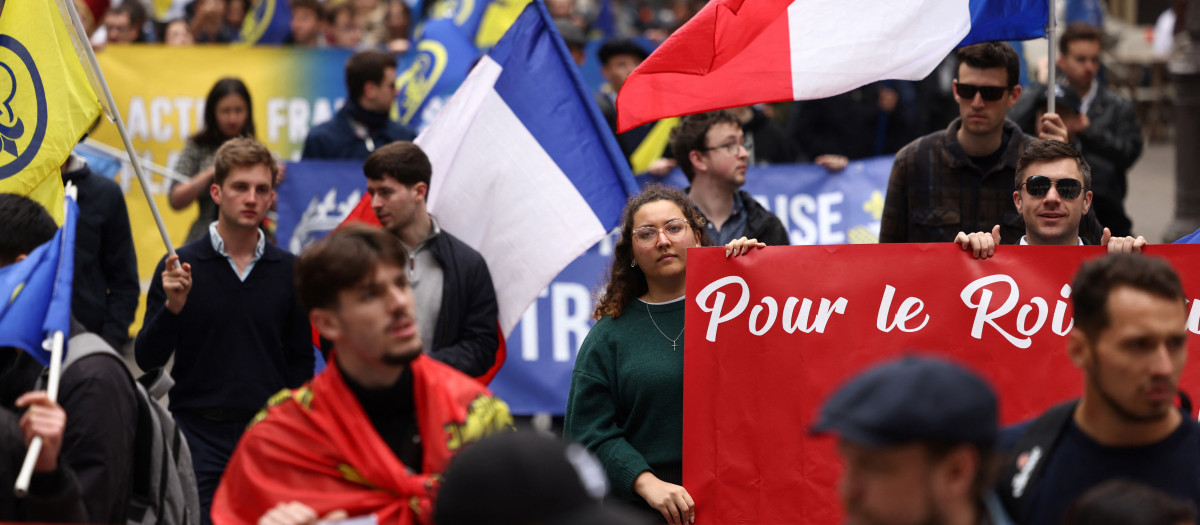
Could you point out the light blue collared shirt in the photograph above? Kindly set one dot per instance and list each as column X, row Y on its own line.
column 219, row 246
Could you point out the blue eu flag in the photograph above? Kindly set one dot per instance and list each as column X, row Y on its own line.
column 35, row 293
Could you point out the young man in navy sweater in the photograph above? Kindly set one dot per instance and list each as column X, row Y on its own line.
column 226, row 308
column 1130, row 342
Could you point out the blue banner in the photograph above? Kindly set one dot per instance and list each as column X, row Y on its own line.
column 438, row 64
column 314, row 198
column 267, row 22
column 465, row 14
column 816, row 206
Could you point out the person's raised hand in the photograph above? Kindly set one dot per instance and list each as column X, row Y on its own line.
column 1051, row 126
column 177, row 282
column 832, row 162
column 1122, row 244
column 980, row 244
column 742, row 246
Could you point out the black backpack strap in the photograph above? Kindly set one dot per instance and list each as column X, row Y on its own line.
column 1023, row 467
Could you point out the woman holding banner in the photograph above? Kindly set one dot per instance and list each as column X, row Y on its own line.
column 227, row 114
column 626, row 399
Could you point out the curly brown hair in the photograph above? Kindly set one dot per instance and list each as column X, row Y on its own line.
column 626, row 282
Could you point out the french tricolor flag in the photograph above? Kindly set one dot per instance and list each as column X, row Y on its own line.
column 741, row 52
column 525, row 170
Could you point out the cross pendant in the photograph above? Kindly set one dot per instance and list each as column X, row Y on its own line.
column 673, row 345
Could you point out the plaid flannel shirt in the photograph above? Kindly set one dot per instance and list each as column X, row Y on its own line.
column 935, row 191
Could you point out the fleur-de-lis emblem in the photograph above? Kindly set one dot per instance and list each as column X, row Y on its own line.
column 11, row 127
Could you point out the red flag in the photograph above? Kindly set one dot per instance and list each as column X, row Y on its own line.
column 732, row 53
column 316, row 445
column 738, row 52
column 361, row 213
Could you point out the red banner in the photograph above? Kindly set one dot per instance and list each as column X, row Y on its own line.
column 772, row 334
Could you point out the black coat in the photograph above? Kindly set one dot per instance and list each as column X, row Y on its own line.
column 466, row 336
column 762, row 224
column 106, row 289
column 53, row 496
column 102, row 419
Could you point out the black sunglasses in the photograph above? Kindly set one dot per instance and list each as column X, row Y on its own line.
column 989, row 93
column 1039, row 185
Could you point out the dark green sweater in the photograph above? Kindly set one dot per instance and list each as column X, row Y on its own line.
column 626, row 399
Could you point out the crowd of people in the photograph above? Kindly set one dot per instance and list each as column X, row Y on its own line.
column 876, row 119
column 349, row 24
column 399, row 423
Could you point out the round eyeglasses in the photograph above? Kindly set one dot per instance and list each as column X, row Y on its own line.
column 674, row 229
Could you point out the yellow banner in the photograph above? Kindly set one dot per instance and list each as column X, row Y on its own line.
column 160, row 93
column 46, row 103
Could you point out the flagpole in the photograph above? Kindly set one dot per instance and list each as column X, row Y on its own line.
column 116, row 117
column 121, row 153
column 1050, row 72
column 21, row 488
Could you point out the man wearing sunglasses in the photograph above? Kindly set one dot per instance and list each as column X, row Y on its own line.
column 1111, row 139
column 711, row 149
column 960, row 179
column 1053, row 194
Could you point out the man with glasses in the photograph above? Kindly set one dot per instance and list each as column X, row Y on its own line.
column 711, row 150
column 455, row 300
column 1053, row 194
column 959, row 179
column 1110, row 138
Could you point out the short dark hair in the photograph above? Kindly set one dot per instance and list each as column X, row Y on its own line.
column 691, row 135
column 1079, row 31
column 343, row 259
column 27, row 224
column 1097, row 278
column 988, row 55
column 619, row 47
column 312, row 5
column 242, row 152
column 1048, row 150
column 366, row 66
column 134, row 9
column 401, row 160
column 1124, row 502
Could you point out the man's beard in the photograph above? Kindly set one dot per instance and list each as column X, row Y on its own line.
column 1123, row 413
column 933, row 515
column 400, row 360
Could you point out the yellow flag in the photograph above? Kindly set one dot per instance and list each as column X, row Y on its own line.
column 46, row 103
column 653, row 146
column 499, row 16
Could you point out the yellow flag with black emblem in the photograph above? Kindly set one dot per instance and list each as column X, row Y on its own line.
column 46, row 102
